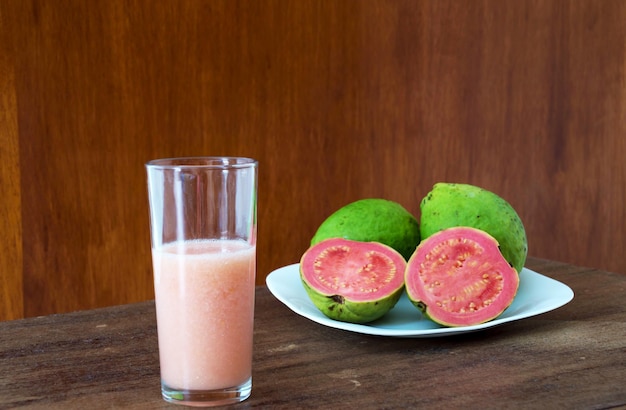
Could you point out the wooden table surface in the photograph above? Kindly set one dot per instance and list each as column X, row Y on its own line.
column 573, row 357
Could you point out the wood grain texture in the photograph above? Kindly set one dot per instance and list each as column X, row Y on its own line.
column 337, row 100
column 11, row 294
column 572, row 357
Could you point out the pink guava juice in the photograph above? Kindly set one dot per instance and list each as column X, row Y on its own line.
column 205, row 312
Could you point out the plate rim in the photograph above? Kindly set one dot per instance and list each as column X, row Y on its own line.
column 369, row 329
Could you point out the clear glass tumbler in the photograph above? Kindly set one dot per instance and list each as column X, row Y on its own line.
column 203, row 231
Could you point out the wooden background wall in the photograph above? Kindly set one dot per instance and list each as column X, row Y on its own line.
column 338, row 100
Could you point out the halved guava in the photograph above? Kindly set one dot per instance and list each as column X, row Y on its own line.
column 458, row 277
column 352, row 281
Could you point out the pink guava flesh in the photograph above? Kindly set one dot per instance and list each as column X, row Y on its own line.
column 356, row 271
column 458, row 277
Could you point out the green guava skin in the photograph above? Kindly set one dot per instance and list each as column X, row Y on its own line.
column 449, row 204
column 344, row 310
column 373, row 220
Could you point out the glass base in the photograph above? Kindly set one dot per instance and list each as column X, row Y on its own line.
column 207, row 398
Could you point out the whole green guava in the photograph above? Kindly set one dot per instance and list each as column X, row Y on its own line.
column 449, row 204
column 373, row 220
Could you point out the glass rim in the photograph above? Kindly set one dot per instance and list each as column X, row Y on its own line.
column 214, row 162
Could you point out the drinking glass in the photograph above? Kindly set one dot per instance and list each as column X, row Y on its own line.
column 203, row 232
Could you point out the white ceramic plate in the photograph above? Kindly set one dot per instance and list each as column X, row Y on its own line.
column 537, row 294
